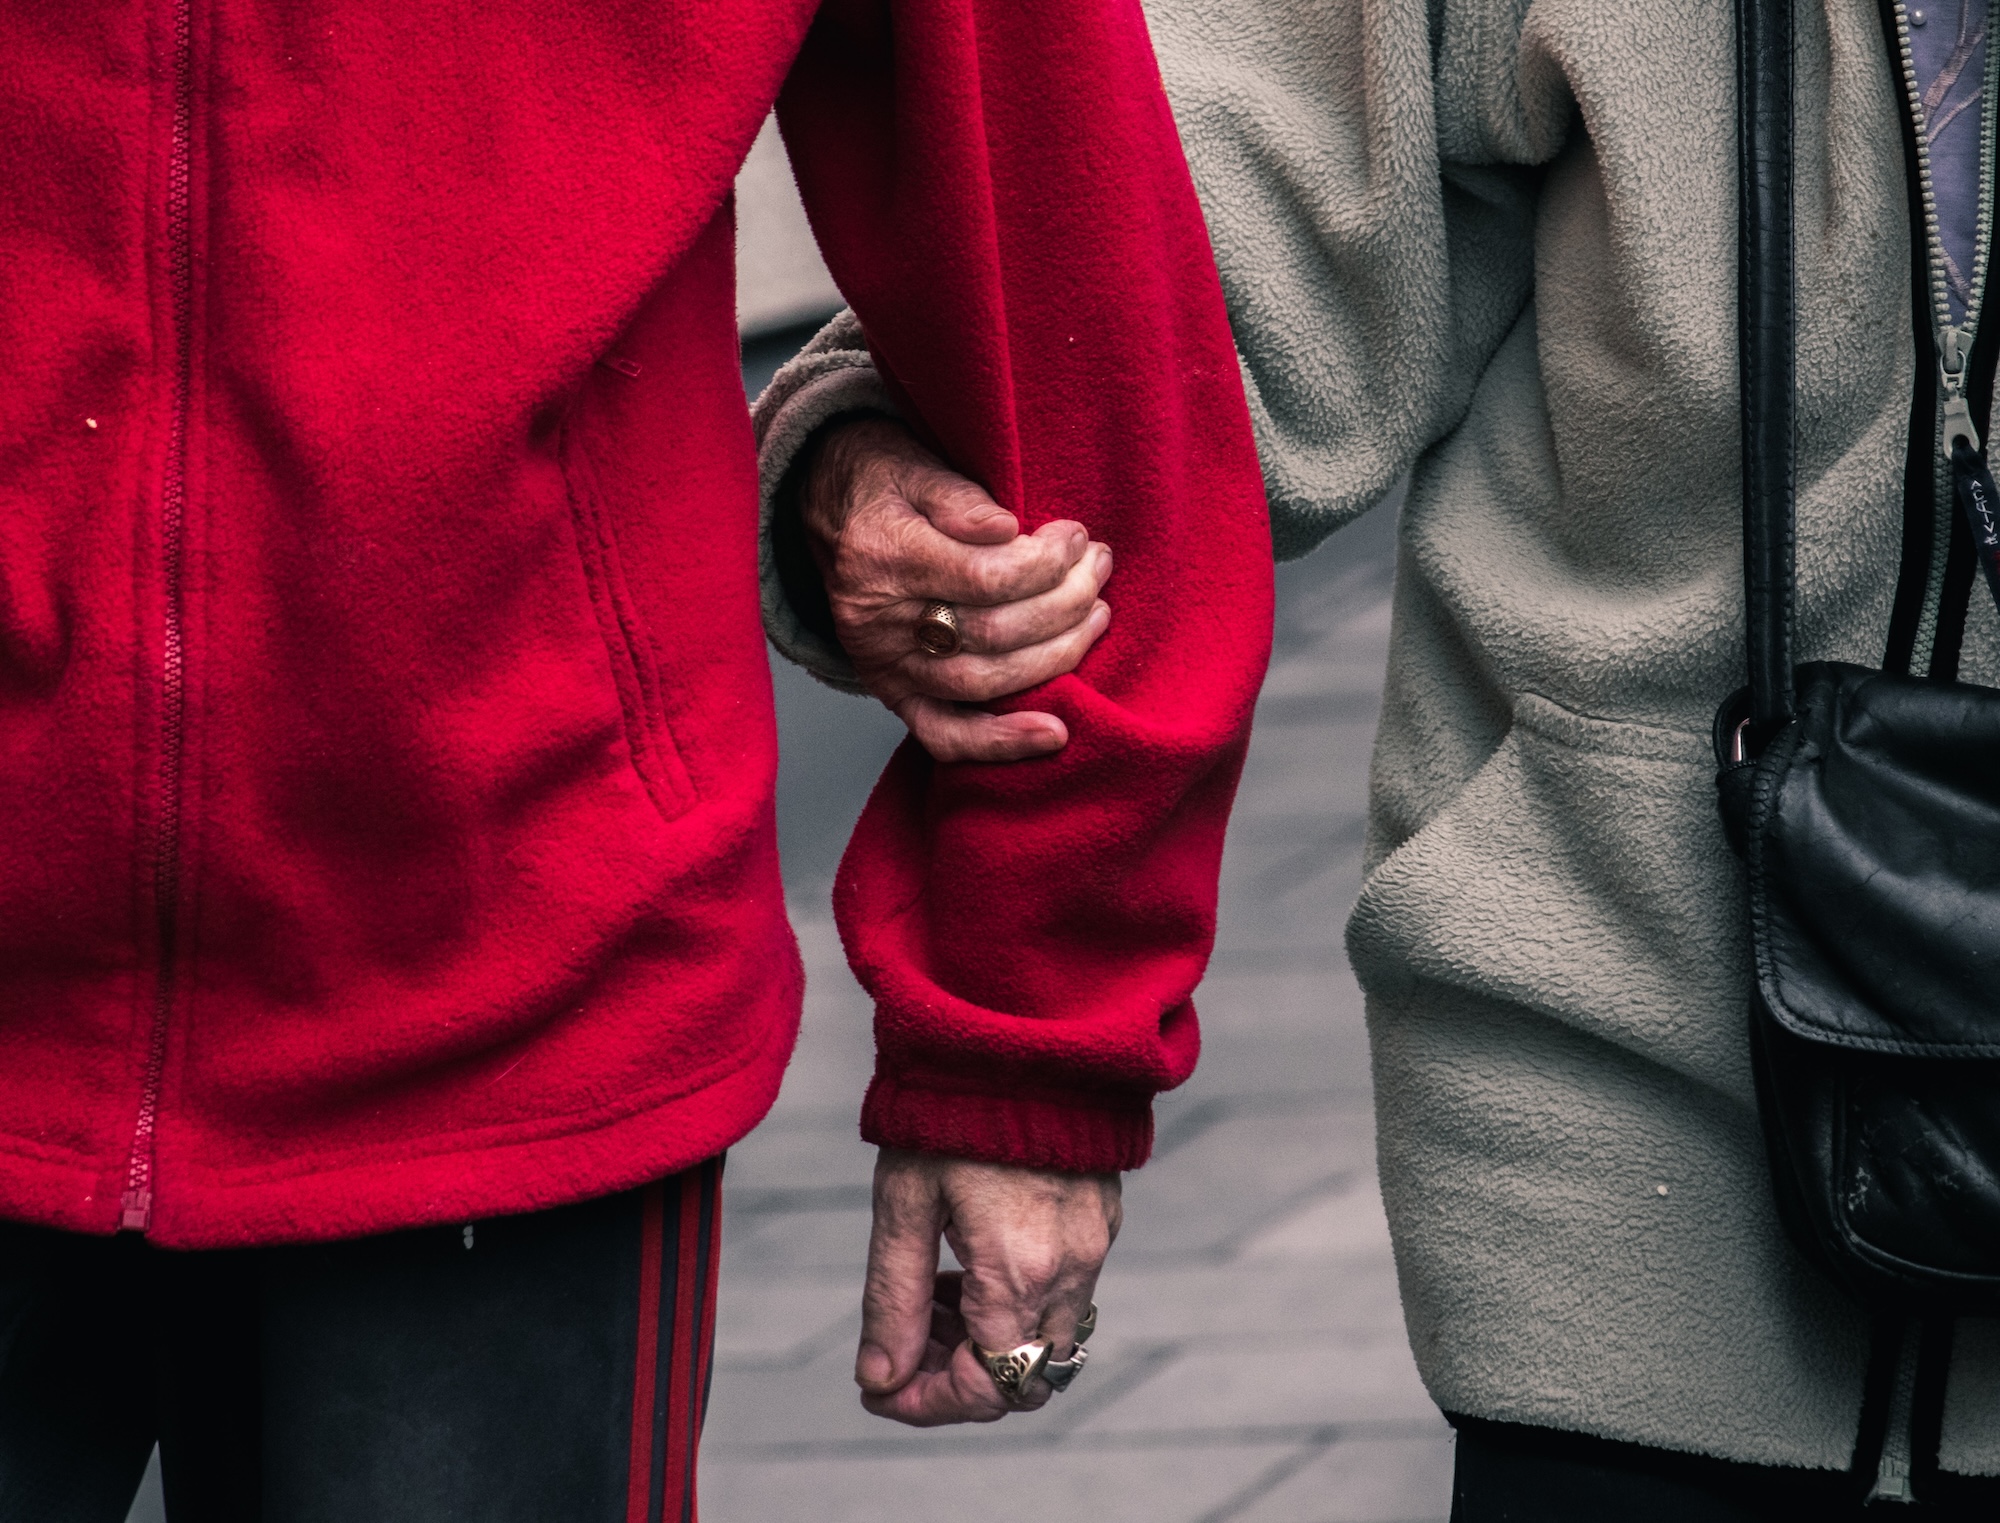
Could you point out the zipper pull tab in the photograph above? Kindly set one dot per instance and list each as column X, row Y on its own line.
column 1979, row 500
column 1951, row 379
column 1958, row 422
column 135, row 1211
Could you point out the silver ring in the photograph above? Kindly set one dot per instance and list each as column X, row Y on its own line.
column 1060, row 1372
column 1086, row 1325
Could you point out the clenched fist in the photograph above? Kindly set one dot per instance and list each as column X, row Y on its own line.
column 1032, row 1242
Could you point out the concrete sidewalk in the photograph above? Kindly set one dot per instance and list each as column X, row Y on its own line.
column 1251, row 1365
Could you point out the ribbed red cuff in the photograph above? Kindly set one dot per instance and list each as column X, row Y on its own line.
column 1082, row 1133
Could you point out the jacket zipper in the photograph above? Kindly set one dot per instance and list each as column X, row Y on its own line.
column 1953, row 340
column 1892, row 1481
column 136, row 1205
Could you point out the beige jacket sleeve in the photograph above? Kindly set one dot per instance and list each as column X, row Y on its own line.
column 831, row 377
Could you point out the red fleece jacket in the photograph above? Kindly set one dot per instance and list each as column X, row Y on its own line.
column 386, row 753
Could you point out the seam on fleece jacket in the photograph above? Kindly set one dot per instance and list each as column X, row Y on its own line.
column 832, row 375
column 1555, row 721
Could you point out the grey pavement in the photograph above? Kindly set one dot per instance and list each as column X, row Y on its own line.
column 1251, row 1365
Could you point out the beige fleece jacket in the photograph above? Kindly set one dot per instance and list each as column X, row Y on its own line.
column 1493, row 242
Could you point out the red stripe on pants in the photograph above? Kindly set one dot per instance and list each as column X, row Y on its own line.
column 679, row 1226
column 651, row 1235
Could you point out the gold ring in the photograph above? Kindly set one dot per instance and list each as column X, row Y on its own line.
column 1013, row 1369
column 938, row 631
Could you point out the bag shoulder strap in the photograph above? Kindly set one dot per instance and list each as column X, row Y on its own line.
column 1766, row 321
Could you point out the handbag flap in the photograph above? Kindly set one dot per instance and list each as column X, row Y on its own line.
column 1874, row 856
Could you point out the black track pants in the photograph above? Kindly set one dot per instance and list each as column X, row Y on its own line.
column 1505, row 1473
column 544, row 1368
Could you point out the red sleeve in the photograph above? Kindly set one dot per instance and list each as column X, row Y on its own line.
column 999, row 190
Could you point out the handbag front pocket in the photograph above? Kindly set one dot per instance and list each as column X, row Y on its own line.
column 1871, row 829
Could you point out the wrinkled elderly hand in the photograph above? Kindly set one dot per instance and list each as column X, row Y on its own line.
column 1032, row 1242
column 892, row 528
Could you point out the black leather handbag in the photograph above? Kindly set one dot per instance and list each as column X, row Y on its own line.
column 1866, row 807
